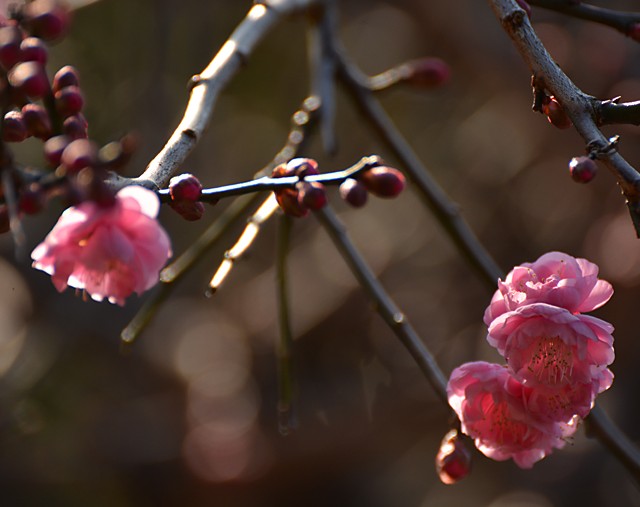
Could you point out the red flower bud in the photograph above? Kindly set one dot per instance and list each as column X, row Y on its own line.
column 75, row 127
column 79, row 154
column 34, row 50
column 453, row 461
column 302, row 167
column 66, row 76
column 14, row 129
column 383, row 181
column 582, row 169
column 53, row 148
column 354, row 192
column 189, row 210
column 288, row 201
column 37, row 121
column 312, row 195
column 30, row 78
column 10, row 52
column 69, row 100
column 555, row 113
column 185, row 187
column 47, row 19
column 429, row 72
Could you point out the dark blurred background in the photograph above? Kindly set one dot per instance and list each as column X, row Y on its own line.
column 189, row 416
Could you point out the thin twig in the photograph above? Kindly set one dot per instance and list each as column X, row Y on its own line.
column 284, row 348
column 384, row 305
column 244, row 242
column 621, row 21
column 600, row 426
column 447, row 212
column 206, row 86
column 267, row 183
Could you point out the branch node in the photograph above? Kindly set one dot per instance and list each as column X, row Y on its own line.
column 190, row 133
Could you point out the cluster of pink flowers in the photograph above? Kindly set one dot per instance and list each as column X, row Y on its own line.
column 109, row 251
column 556, row 360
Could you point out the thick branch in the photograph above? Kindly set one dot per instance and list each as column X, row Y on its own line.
column 580, row 107
column 206, row 86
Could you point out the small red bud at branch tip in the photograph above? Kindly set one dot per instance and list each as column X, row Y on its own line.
column 453, row 461
column 582, row 169
column 383, row 181
column 429, row 72
column 185, row 187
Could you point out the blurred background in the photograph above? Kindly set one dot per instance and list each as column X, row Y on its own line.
column 189, row 416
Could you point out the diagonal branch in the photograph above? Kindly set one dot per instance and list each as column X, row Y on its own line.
column 579, row 106
column 206, row 87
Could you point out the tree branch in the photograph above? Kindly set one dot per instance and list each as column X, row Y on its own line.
column 580, row 107
column 621, row 21
column 206, row 87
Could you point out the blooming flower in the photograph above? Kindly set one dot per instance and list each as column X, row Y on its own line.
column 548, row 345
column 493, row 408
column 110, row 252
column 555, row 278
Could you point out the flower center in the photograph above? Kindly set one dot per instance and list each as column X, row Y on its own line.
column 552, row 360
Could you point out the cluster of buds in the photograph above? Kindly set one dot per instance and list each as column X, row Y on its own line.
column 49, row 110
column 306, row 195
column 381, row 181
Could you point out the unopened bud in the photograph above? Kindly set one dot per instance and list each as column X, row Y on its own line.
column 428, row 72
column 14, row 129
column 79, row 154
column 582, row 169
column 312, row 195
column 383, row 181
column 189, row 210
column 185, row 187
column 53, row 148
column 69, row 100
column 302, row 167
column 354, row 192
column 34, row 50
column 75, row 127
column 289, row 203
column 37, row 120
column 30, row 78
column 48, row 19
column 453, row 461
column 555, row 113
column 10, row 39
column 66, row 76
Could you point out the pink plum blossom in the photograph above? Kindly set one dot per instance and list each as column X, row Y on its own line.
column 555, row 278
column 493, row 409
column 550, row 346
column 110, row 252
